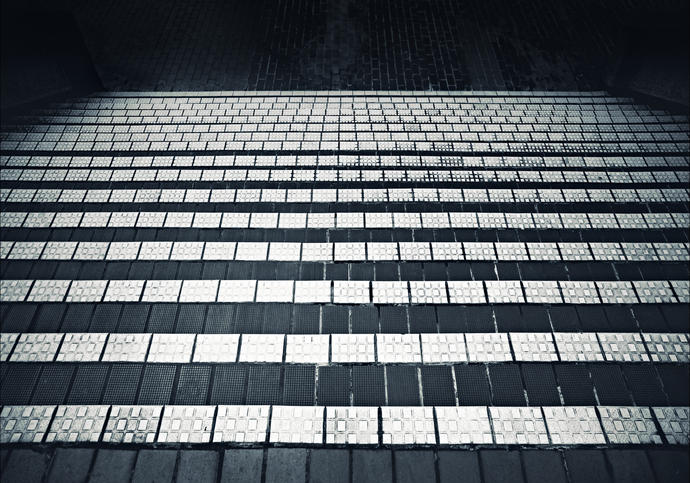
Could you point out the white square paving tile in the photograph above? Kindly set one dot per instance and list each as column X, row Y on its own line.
column 352, row 348
column 171, row 348
column 297, row 424
column 91, row 251
column 349, row 220
column 542, row 292
column 579, row 292
column 216, row 347
column 161, row 290
column 289, row 252
column 177, row 219
column 77, row 424
column 235, row 220
column 187, row 251
column 186, row 424
column 352, row 425
column 155, row 250
column 264, row 220
column 466, row 292
column 667, row 347
column 419, row 251
column 132, row 424
column 36, row 347
column 241, row 424
column 401, row 220
column 292, row 220
column 317, row 252
column 126, row 348
column 24, row 424
column 488, row 347
column 504, row 291
column 349, row 252
column 398, row 348
column 199, row 291
column 14, row 290
column 274, row 290
column 24, row 250
column 219, row 251
column 124, row 291
column 578, row 347
column 378, row 220
column 429, row 292
column 207, row 220
column 312, row 291
column 463, row 425
column 573, row 425
column 674, row 422
column 123, row 251
column 251, row 251
column 351, row 292
column 629, row 425
column 309, row 348
column 321, row 220
column 382, row 251
column 533, row 346
column 511, row 251
column 86, row 291
column 443, row 348
column 479, row 251
column 654, row 292
column 262, row 348
column 390, row 292
column 408, row 425
column 236, row 290
column 82, row 347
column 58, row 250
column 682, row 290
column 518, row 425
column 623, row 346
column 451, row 251
column 7, row 341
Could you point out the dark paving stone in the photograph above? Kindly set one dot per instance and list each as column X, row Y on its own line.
column 499, row 466
column 133, row 318
column 220, row 319
column 650, row 319
column 334, row 386
column 543, row 465
column 629, row 465
column 70, row 464
column 459, row 466
column 77, row 318
column 535, row 319
column 162, row 318
column 586, row 465
column 286, row 465
column 364, row 320
column 113, row 466
column 190, row 319
column 193, row 384
column 437, row 386
column 157, row 384
column 610, row 385
column 506, row 385
column 393, row 320
column 480, row 319
column 229, row 383
column 276, row 319
column 335, row 320
column 592, row 318
column 329, row 466
column 422, row 319
column 621, row 319
column 26, row 465
column 403, row 386
column 644, row 385
column 263, row 385
column 669, row 465
column 564, row 318
column 242, row 465
column 368, row 387
column 677, row 317
column 18, row 318
column 298, row 386
column 676, row 382
column 371, row 465
column 53, row 384
column 414, row 466
column 249, row 318
column 49, row 316
column 451, row 319
column 540, row 384
column 123, row 383
column 154, row 465
column 575, row 384
column 197, row 466
column 18, row 383
column 473, row 385
column 88, row 384
column 305, row 319
column 105, row 317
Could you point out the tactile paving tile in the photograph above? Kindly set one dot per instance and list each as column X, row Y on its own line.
column 186, row 251
column 607, row 251
column 216, row 347
column 91, row 251
column 124, row 291
column 443, row 348
column 86, row 291
column 219, row 251
column 274, row 290
column 14, row 290
column 411, row 251
column 344, row 252
column 171, row 348
column 511, row 251
column 351, row 292
column 295, row 424
column 317, row 252
column 654, row 292
column 428, row 292
column 479, row 251
column 236, row 290
column 408, row 425
column 543, row 251
column 307, row 349
column 123, row 251
column 488, row 347
column 542, row 292
column 682, row 290
column 573, row 425
column 81, row 347
column 126, row 348
column 578, row 347
column 463, row 425
column 352, row 348
column 262, row 348
column 284, row 252
column 382, row 251
column 623, row 346
column 667, row 347
column 579, row 292
column 36, row 347
column 466, row 292
column 674, row 422
column 533, row 346
column 241, row 424
column 23, row 250
column 616, row 292
column 161, row 290
column 390, row 292
column 629, row 425
column 504, row 291
column 518, row 425
column 48, row 291
column 447, row 251
column 132, row 424
column 186, row 424
column 7, row 341
column 58, row 250
column 24, row 424
column 77, row 424
column 250, row 251
column 312, row 291
column 197, row 291
column 352, row 425
column 397, row 348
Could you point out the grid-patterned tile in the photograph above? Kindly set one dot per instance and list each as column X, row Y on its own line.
column 443, row 348
column 352, row 348
column 36, row 347
column 77, row 424
column 667, row 347
column 295, row 424
column 397, row 348
column 674, row 422
column 408, row 425
column 307, row 349
column 171, row 348
column 132, row 424
column 488, row 347
column 262, row 348
column 126, row 348
column 463, row 425
column 352, row 425
column 629, row 425
column 625, row 347
column 186, row 424
column 518, row 425
column 241, row 424
column 24, row 424
column 573, row 425
column 81, row 347
column 533, row 346
column 578, row 347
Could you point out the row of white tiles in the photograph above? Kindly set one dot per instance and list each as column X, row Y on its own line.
column 371, row 220
column 322, row 160
column 347, row 291
column 347, row 195
column 333, row 175
column 344, row 251
column 428, row 348
column 281, row 142
column 400, row 425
